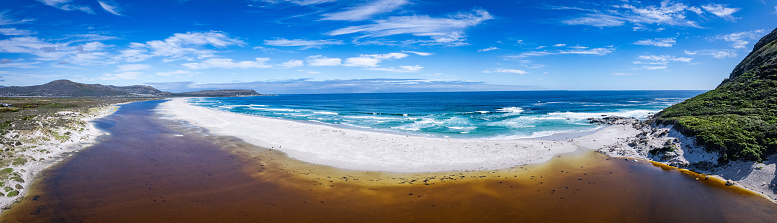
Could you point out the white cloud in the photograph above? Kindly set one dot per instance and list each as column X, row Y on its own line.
column 667, row 13
column 309, row 71
column 503, row 70
column 4, row 20
column 372, row 60
column 654, row 67
column 740, row 39
column 291, row 64
column 448, row 31
column 366, row 11
column 319, row 60
column 559, row 45
column 598, row 20
column 228, row 64
column 720, row 10
column 175, row 73
column 623, row 74
column 65, row 5
column 488, row 49
column 305, row 44
column 16, row 32
column 121, row 76
column 659, row 62
column 418, row 53
column 88, row 53
column 110, row 8
column 719, row 54
column 659, row 42
column 179, row 46
column 662, row 59
column 594, row 51
column 401, row 69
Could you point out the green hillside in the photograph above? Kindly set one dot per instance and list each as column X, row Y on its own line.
column 739, row 117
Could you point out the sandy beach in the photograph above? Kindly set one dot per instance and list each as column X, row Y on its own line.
column 354, row 149
column 361, row 150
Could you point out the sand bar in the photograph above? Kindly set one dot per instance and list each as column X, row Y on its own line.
column 354, row 149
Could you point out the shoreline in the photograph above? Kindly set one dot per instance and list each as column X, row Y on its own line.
column 49, row 146
column 360, row 150
column 417, row 154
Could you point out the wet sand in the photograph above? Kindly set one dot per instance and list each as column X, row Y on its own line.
column 151, row 170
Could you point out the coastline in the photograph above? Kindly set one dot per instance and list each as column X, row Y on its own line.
column 353, row 149
column 361, row 150
column 48, row 146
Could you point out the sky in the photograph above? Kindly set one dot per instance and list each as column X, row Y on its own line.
column 362, row 46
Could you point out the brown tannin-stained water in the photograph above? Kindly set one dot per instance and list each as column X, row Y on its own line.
column 149, row 170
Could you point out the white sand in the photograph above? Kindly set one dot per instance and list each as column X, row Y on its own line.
column 353, row 149
column 43, row 149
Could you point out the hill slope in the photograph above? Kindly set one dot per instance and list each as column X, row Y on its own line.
column 66, row 88
column 739, row 117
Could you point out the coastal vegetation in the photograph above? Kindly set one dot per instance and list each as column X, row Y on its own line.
column 738, row 119
column 32, row 126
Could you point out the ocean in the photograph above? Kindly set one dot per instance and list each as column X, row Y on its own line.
column 492, row 115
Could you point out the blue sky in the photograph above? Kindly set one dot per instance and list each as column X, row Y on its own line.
column 341, row 46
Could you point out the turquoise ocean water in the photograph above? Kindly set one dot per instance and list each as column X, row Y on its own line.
column 495, row 115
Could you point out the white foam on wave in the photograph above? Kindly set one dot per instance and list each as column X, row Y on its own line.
column 515, row 110
column 640, row 114
column 326, row 113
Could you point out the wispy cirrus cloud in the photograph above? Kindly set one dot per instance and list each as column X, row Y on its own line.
column 658, row 62
column 16, row 32
column 292, row 64
column 659, row 42
column 86, row 53
column 740, row 40
column 5, row 20
column 319, row 60
column 305, row 44
column 179, row 46
column 366, row 10
column 401, row 69
column 112, row 8
column 666, row 13
column 372, row 60
column 488, row 49
column 721, row 10
column 229, row 64
column 448, row 31
column 573, row 50
column 66, row 5
column 504, row 70
column 716, row 53
column 418, row 53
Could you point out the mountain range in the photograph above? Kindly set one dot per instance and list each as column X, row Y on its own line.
column 67, row 88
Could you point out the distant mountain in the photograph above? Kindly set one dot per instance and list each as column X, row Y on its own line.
column 66, row 88
column 738, row 119
column 218, row 93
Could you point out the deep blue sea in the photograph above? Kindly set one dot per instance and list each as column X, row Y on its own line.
column 496, row 115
